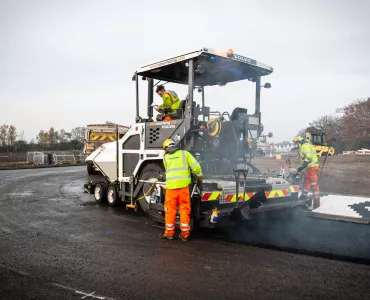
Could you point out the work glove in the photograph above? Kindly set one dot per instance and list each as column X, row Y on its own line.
column 300, row 169
column 200, row 183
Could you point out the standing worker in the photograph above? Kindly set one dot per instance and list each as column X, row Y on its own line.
column 171, row 102
column 310, row 161
column 179, row 165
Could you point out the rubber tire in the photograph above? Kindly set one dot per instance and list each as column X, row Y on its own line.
column 115, row 200
column 151, row 170
column 100, row 191
column 90, row 168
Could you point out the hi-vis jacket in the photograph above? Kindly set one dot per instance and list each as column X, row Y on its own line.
column 308, row 154
column 179, row 164
column 170, row 100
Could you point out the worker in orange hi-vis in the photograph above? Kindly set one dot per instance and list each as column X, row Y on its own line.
column 310, row 161
column 179, row 165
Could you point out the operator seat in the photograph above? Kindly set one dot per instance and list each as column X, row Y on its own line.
column 237, row 112
column 179, row 112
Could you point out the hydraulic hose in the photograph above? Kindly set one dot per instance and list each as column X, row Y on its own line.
column 147, row 193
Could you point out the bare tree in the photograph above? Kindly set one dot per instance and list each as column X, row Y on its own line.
column 62, row 136
column 302, row 132
column 68, row 136
column 355, row 123
column 21, row 136
column 330, row 126
column 78, row 134
column 3, row 135
column 11, row 135
column 42, row 138
column 52, row 136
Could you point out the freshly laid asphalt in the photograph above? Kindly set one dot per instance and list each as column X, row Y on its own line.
column 57, row 243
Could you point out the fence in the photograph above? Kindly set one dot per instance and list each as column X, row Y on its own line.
column 362, row 151
column 9, row 157
column 55, row 158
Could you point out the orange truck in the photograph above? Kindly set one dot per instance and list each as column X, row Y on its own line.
column 97, row 135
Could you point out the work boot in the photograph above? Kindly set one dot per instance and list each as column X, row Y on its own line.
column 164, row 236
column 184, row 239
column 309, row 204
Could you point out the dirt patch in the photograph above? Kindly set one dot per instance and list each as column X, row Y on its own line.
column 342, row 174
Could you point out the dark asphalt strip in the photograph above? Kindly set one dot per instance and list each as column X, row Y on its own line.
column 56, row 243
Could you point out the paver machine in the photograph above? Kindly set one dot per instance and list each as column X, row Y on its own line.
column 223, row 142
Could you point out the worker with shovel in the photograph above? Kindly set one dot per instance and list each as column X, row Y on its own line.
column 179, row 165
column 311, row 163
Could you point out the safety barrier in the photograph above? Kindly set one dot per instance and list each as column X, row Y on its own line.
column 37, row 158
column 55, row 158
column 64, row 158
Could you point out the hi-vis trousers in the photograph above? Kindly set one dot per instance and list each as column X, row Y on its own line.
column 181, row 198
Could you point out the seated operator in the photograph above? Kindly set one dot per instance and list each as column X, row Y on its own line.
column 171, row 103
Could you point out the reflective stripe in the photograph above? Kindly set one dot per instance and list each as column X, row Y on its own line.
column 185, row 229
column 177, row 169
column 194, row 164
column 184, row 159
column 178, row 165
column 177, row 177
column 184, row 224
column 170, row 224
column 172, row 95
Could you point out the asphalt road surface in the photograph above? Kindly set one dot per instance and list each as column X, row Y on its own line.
column 56, row 243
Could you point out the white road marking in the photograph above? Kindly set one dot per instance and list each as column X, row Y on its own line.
column 90, row 295
column 6, row 230
column 367, row 207
column 129, row 219
column 26, row 193
column 64, row 287
column 85, row 295
column 14, row 270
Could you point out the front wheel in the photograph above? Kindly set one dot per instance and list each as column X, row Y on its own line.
column 150, row 173
column 112, row 196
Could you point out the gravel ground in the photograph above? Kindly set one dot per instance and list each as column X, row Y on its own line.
column 342, row 174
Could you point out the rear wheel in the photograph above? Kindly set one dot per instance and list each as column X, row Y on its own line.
column 100, row 193
column 112, row 196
